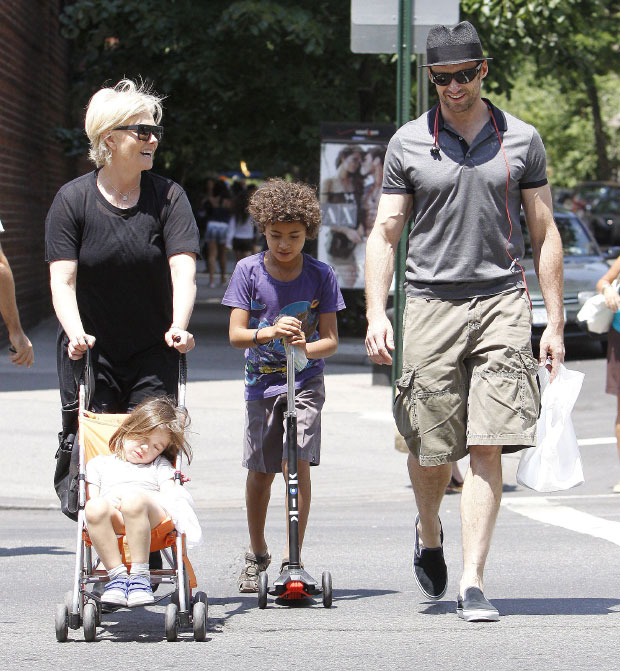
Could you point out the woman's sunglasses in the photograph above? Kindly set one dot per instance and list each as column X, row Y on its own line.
column 144, row 131
column 461, row 76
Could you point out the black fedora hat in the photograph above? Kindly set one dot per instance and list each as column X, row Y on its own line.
column 449, row 46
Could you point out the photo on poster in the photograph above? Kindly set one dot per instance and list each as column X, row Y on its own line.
column 351, row 180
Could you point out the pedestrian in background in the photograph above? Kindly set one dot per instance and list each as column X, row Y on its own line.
column 277, row 295
column 468, row 383
column 21, row 351
column 612, row 301
column 217, row 229
column 242, row 228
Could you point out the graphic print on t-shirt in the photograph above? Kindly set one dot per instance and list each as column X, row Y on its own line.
column 271, row 357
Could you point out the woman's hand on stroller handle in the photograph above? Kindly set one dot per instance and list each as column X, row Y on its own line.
column 78, row 344
column 180, row 339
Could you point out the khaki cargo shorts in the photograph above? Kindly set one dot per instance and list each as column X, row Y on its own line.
column 469, row 376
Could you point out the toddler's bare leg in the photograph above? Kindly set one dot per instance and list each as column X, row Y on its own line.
column 141, row 513
column 104, row 522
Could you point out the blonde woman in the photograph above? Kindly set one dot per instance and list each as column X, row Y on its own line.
column 122, row 244
column 612, row 300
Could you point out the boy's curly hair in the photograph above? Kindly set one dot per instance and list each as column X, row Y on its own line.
column 279, row 200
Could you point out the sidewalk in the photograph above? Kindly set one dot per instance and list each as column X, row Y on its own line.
column 357, row 423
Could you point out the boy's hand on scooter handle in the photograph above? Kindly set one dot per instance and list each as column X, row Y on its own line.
column 286, row 327
column 299, row 340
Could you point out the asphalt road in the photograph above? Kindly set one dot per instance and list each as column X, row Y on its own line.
column 553, row 572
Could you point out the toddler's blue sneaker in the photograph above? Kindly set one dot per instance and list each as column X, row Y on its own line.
column 115, row 592
column 140, row 592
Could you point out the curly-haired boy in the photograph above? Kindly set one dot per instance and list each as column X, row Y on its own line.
column 281, row 294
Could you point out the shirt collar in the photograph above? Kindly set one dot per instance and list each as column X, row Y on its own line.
column 498, row 115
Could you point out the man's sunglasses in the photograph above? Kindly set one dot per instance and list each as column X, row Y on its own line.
column 461, row 76
column 144, row 131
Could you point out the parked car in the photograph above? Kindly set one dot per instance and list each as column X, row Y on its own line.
column 584, row 265
column 598, row 205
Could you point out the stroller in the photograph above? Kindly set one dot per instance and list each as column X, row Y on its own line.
column 82, row 606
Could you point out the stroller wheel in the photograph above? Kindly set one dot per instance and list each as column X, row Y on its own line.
column 90, row 622
column 263, row 581
column 327, row 589
column 200, row 597
column 62, row 622
column 172, row 622
column 199, row 616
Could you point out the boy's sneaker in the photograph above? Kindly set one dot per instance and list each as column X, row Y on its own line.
column 254, row 565
column 140, row 592
column 115, row 592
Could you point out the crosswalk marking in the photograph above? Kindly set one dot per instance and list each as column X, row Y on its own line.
column 546, row 510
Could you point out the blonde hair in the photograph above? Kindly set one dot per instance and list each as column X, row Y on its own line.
column 151, row 414
column 111, row 107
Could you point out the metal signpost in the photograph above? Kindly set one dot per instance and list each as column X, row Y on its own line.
column 394, row 27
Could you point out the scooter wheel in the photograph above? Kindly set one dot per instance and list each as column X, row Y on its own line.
column 327, row 589
column 263, row 581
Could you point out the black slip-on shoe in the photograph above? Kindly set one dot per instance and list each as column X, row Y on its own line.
column 429, row 567
column 473, row 607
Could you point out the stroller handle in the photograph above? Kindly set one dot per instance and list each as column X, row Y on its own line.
column 182, row 381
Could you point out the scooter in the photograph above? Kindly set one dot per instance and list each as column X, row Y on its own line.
column 294, row 583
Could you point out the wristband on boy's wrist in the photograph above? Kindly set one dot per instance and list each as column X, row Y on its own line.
column 606, row 285
column 255, row 337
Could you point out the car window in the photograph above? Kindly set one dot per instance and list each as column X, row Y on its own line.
column 595, row 192
column 575, row 240
column 607, row 206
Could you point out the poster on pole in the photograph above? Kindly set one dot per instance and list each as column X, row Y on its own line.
column 352, row 157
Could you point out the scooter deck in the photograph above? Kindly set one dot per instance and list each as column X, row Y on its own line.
column 295, row 583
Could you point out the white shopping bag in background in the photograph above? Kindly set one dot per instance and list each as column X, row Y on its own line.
column 554, row 464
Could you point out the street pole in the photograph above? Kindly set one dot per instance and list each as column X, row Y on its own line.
column 403, row 112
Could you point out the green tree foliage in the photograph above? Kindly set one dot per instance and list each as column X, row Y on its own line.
column 575, row 42
column 248, row 80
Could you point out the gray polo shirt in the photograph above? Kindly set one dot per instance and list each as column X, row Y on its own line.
column 458, row 242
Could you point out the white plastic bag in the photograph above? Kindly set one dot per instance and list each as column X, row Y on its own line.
column 596, row 314
column 554, row 464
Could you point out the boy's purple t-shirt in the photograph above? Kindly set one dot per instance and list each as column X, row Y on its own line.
column 252, row 288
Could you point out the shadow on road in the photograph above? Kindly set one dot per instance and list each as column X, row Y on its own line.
column 28, row 550
column 508, row 607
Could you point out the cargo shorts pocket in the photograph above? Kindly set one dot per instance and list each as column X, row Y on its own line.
column 404, row 409
column 529, row 389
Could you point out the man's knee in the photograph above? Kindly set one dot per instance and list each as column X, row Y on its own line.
column 484, row 456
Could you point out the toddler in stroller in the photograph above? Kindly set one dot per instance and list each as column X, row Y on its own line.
column 131, row 492
column 132, row 503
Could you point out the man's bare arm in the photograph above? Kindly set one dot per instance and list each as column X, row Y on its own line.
column 22, row 352
column 392, row 214
column 548, row 262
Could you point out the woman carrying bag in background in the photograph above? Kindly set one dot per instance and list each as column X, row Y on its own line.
column 612, row 301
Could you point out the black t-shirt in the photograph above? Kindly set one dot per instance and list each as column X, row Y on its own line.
column 123, row 277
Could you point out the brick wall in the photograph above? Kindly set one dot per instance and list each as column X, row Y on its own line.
column 34, row 100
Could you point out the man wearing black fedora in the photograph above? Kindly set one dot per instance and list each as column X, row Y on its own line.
column 463, row 171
